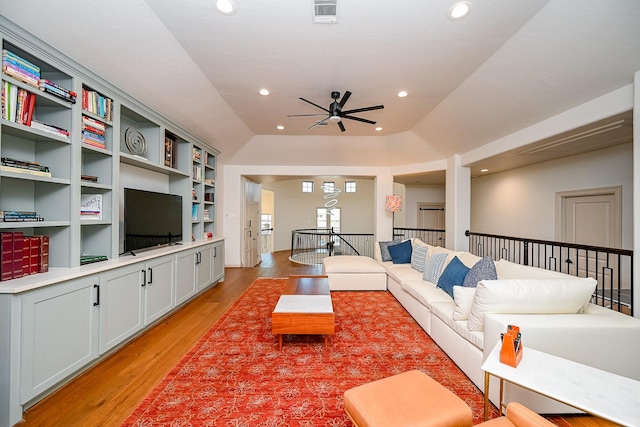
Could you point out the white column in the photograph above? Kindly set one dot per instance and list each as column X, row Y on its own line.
column 636, row 193
column 458, row 204
column 383, row 219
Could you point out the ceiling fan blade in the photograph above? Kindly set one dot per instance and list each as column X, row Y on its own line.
column 360, row 110
column 344, row 99
column 319, row 123
column 304, row 115
column 341, row 126
column 315, row 105
column 371, row 122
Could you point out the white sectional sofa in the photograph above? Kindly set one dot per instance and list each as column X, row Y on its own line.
column 552, row 310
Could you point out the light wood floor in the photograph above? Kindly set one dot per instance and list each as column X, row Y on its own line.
column 106, row 394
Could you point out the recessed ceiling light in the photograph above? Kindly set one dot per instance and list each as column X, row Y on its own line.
column 484, row 170
column 378, row 129
column 402, row 94
column 459, row 10
column 280, row 127
column 226, row 7
column 264, row 92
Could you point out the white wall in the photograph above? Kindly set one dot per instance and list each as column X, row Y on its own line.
column 295, row 209
column 522, row 202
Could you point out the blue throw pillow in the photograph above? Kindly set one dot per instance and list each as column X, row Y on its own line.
column 453, row 275
column 401, row 253
column 384, row 249
column 485, row 269
column 419, row 257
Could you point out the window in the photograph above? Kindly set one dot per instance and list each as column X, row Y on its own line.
column 350, row 187
column 328, row 218
column 307, row 186
column 329, row 187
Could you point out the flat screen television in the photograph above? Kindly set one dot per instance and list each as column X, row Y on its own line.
column 151, row 219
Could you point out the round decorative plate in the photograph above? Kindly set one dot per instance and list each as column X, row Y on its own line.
column 135, row 142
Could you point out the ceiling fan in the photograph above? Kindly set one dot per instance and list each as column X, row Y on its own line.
column 335, row 113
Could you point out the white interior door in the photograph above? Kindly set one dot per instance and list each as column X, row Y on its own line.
column 431, row 216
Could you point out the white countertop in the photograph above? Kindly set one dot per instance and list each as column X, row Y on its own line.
column 57, row 275
column 597, row 392
column 304, row 304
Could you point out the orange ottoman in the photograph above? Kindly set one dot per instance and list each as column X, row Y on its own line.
column 410, row 399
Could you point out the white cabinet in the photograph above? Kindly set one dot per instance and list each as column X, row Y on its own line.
column 218, row 260
column 204, row 258
column 186, row 276
column 121, row 294
column 158, row 276
column 59, row 333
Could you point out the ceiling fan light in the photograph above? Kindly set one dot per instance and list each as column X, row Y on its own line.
column 335, row 118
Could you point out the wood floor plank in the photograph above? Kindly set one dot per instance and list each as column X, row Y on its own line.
column 109, row 392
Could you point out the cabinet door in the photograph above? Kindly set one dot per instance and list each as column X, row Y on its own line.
column 218, row 261
column 59, row 334
column 120, row 305
column 158, row 298
column 185, row 276
column 204, row 267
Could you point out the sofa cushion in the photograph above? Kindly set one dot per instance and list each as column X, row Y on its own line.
column 401, row 253
column 384, row 249
column 485, row 269
column 453, row 274
column 469, row 259
column 443, row 310
column 510, row 270
column 463, row 297
column 403, row 272
column 434, row 266
column 419, row 256
column 425, row 292
column 529, row 296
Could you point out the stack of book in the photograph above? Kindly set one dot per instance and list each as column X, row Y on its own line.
column 97, row 104
column 57, row 90
column 22, row 255
column 170, row 152
column 93, row 132
column 22, row 166
column 206, row 215
column 88, row 259
column 17, row 104
column 50, row 128
column 20, row 69
column 197, row 173
column 91, row 206
column 20, row 216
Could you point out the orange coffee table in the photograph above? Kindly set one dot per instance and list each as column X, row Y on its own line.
column 304, row 308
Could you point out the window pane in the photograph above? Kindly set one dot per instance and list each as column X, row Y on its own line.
column 307, row 186
column 329, row 187
column 350, row 187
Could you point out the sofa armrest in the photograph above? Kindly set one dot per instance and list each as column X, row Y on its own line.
column 521, row 416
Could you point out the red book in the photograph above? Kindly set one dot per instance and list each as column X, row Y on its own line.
column 26, row 251
column 34, row 255
column 18, row 244
column 6, row 256
column 44, row 254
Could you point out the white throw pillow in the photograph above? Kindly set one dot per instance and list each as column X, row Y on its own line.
column 463, row 297
column 534, row 296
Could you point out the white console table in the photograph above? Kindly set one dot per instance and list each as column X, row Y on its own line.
column 594, row 391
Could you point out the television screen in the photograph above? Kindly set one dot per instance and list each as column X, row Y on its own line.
column 151, row 219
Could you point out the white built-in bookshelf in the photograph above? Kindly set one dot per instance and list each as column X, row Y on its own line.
column 64, row 168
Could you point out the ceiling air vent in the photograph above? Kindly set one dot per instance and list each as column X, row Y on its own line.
column 325, row 11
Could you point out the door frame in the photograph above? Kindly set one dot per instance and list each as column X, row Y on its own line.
column 429, row 205
column 561, row 199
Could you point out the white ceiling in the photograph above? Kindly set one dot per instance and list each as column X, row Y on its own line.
column 508, row 65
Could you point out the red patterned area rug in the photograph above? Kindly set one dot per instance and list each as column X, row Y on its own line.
column 235, row 376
